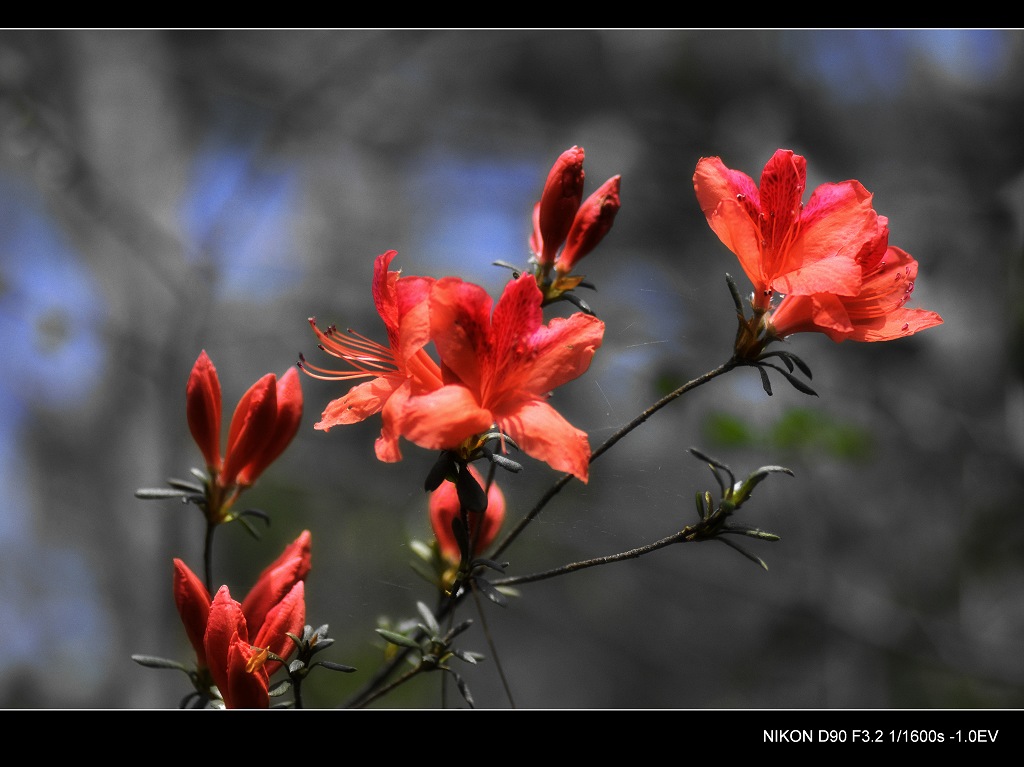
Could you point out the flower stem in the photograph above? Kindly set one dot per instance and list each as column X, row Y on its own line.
column 208, row 556
column 372, row 696
column 679, row 537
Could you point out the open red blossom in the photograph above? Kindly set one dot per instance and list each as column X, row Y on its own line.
column 876, row 313
column 396, row 372
column 483, row 525
column 499, row 371
column 264, row 423
column 783, row 245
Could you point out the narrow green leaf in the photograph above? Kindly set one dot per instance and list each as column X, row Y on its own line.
column 182, row 484
column 330, row 665
column 756, row 560
column 490, row 592
column 433, row 626
column 248, row 526
column 151, row 661
column 398, row 639
column 751, row 532
column 159, row 493
column 463, row 688
column 280, row 688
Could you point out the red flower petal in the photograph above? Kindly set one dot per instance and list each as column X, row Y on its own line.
column 276, row 580
column 286, row 426
column 252, row 426
column 288, row 616
column 193, row 602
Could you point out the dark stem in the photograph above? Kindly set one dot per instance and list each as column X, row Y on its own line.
column 679, row 537
column 494, row 650
column 372, row 696
column 208, row 557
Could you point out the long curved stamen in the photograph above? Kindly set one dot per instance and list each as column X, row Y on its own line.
column 367, row 358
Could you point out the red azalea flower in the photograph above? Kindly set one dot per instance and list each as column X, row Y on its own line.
column 397, row 371
column 220, row 629
column 876, row 313
column 783, row 245
column 560, row 218
column 500, row 369
column 264, row 423
column 483, row 526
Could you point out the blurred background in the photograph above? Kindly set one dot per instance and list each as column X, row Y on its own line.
column 167, row 192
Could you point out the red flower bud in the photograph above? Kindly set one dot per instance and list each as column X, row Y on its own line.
column 286, row 425
column 288, row 616
column 277, row 579
column 251, row 427
column 203, row 409
column 591, row 224
column 559, row 202
column 229, row 653
column 483, row 526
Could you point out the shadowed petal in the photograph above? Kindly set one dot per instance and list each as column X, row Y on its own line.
column 544, row 434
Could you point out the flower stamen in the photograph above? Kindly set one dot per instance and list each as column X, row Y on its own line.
column 367, row 358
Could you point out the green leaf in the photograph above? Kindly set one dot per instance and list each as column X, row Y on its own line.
column 151, row 661
column 191, row 487
column 330, row 665
column 744, row 491
column 756, row 560
column 280, row 688
column 468, row 657
column 490, row 592
column 160, row 493
column 751, row 532
column 247, row 525
column 463, row 688
column 428, row 618
column 796, row 382
column 398, row 639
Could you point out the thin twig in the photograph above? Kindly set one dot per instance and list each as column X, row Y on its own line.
column 622, row 432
